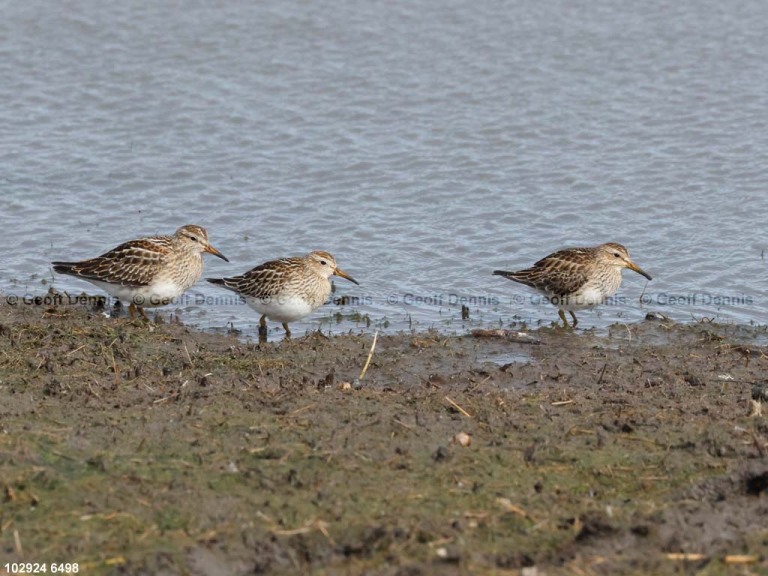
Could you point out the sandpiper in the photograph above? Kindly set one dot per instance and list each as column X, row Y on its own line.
column 147, row 272
column 577, row 278
column 287, row 289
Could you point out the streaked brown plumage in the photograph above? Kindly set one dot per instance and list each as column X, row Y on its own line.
column 577, row 278
column 147, row 271
column 287, row 289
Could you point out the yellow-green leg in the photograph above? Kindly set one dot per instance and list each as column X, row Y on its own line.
column 133, row 309
column 263, row 328
column 561, row 313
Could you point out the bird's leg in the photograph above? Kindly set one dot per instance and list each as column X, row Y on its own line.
column 133, row 309
column 575, row 320
column 287, row 330
column 263, row 329
column 561, row 313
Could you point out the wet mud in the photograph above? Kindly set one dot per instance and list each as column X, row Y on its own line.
column 134, row 448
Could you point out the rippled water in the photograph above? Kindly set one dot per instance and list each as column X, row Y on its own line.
column 425, row 144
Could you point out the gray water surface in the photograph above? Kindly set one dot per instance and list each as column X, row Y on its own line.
column 424, row 144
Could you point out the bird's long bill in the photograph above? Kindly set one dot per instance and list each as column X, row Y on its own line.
column 211, row 250
column 634, row 267
column 340, row 272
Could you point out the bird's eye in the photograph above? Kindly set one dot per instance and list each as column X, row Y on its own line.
column 193, row 238
column 323, row 262
column 617, row 255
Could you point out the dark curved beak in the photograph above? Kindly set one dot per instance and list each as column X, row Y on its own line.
column 635, row 268
column 211, row 250
column 340, row 272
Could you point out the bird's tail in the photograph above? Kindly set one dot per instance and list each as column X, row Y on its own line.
column 225, row 282
column 509, row 275
column 63, row 267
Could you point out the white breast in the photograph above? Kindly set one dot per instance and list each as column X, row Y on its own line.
column 587, row 297
column 282, row 308
column 156, row 294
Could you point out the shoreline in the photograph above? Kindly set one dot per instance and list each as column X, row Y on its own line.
column 409, row 313
column 634, row 452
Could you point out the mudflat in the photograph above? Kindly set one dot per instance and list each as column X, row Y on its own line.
column 130, row 448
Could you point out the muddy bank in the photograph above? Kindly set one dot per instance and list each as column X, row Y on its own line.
column 136, row 449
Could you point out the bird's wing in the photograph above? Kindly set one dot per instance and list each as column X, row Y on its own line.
column 559, row 274
column 264, row 281
column 133, row 263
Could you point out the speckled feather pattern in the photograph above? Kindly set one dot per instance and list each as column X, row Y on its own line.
column 577, row 278
column 285, row 277
column 133, row 268
column 567, row 271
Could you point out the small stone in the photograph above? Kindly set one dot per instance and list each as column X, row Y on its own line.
column 463, row 439
column 449, row 554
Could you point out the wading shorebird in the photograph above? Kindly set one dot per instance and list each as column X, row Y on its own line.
column 147, row 272
column 577, row 278
column 287, row 289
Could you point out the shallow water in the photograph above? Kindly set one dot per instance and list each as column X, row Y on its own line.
column 425, row 144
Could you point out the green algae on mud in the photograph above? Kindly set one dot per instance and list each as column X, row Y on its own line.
column 135, row 449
